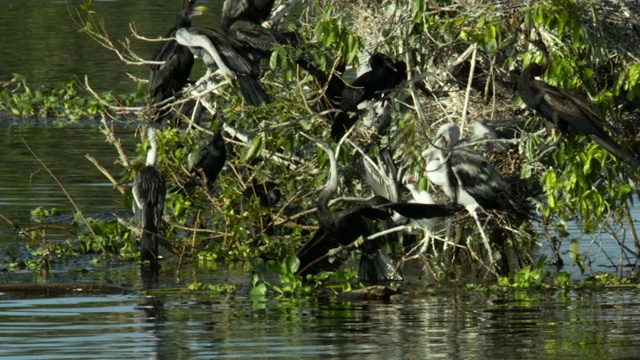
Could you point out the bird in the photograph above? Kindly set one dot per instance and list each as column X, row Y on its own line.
column 228, row 55
column 167, row 79
column 384, row 75
column 208, row 164
column 149, row 192
column 258, row 39
column 340, row 229
column 466, row 177
column 256, row 11
column 568, row 111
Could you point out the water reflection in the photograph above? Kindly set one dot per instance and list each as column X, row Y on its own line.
column 462, row 326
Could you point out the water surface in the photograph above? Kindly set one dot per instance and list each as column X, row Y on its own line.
column 449, row 324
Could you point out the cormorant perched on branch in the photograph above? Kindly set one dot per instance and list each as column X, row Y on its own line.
column 209, row 163
column 383, row 76
column 227, row 55
column 343, row 228
column 149, row 191
column 568, row 111
column 166, row 80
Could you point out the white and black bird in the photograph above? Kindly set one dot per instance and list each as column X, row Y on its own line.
column 228, row 56
column 466, row 177
column 149, row 192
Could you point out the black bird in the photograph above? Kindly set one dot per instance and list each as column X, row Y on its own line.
column 384, row 75
column 268, row 196
column 149, row 191
column 227, row 54
column 256, row 11
column 259, row 39
column 568, row 111
column 208, row 164
column 166, row 80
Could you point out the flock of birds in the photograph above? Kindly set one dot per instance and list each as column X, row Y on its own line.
column 466, row 177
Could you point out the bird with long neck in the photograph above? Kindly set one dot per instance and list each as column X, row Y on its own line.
column 568, row 111
column 149, row 192
column 343, row 228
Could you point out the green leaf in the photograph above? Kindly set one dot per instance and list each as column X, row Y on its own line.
column 258, row 291
column 255, row 148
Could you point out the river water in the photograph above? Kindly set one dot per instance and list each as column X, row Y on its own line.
column 441, row 323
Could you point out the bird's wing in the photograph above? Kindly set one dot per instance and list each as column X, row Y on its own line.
column 571, row 108
column 476, row 176
column 381, row 177
column 256, row 36
column 231, row 51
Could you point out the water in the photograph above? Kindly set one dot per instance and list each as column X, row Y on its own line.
column 25, row 184
column 52, row 50
column 451, row 325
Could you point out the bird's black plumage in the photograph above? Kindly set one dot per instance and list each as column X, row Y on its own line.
column 166, row 80
column 384, row 75
column 255, row 11
column 149, row 191
column 208, row 164
column 228, row 55
column 568, row 111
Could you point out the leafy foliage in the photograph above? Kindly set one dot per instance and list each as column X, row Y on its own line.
column 442, row 42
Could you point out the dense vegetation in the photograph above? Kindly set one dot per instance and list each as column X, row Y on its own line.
column 443, row 42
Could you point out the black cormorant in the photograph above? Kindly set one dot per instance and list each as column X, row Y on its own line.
column 256, row 11
column 384, row 75
column 268, row 196
column 208, row 164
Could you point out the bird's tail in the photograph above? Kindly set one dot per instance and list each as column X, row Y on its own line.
column 148, row 240
column 376, row 266
column 252, row 91
column 611, row 146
